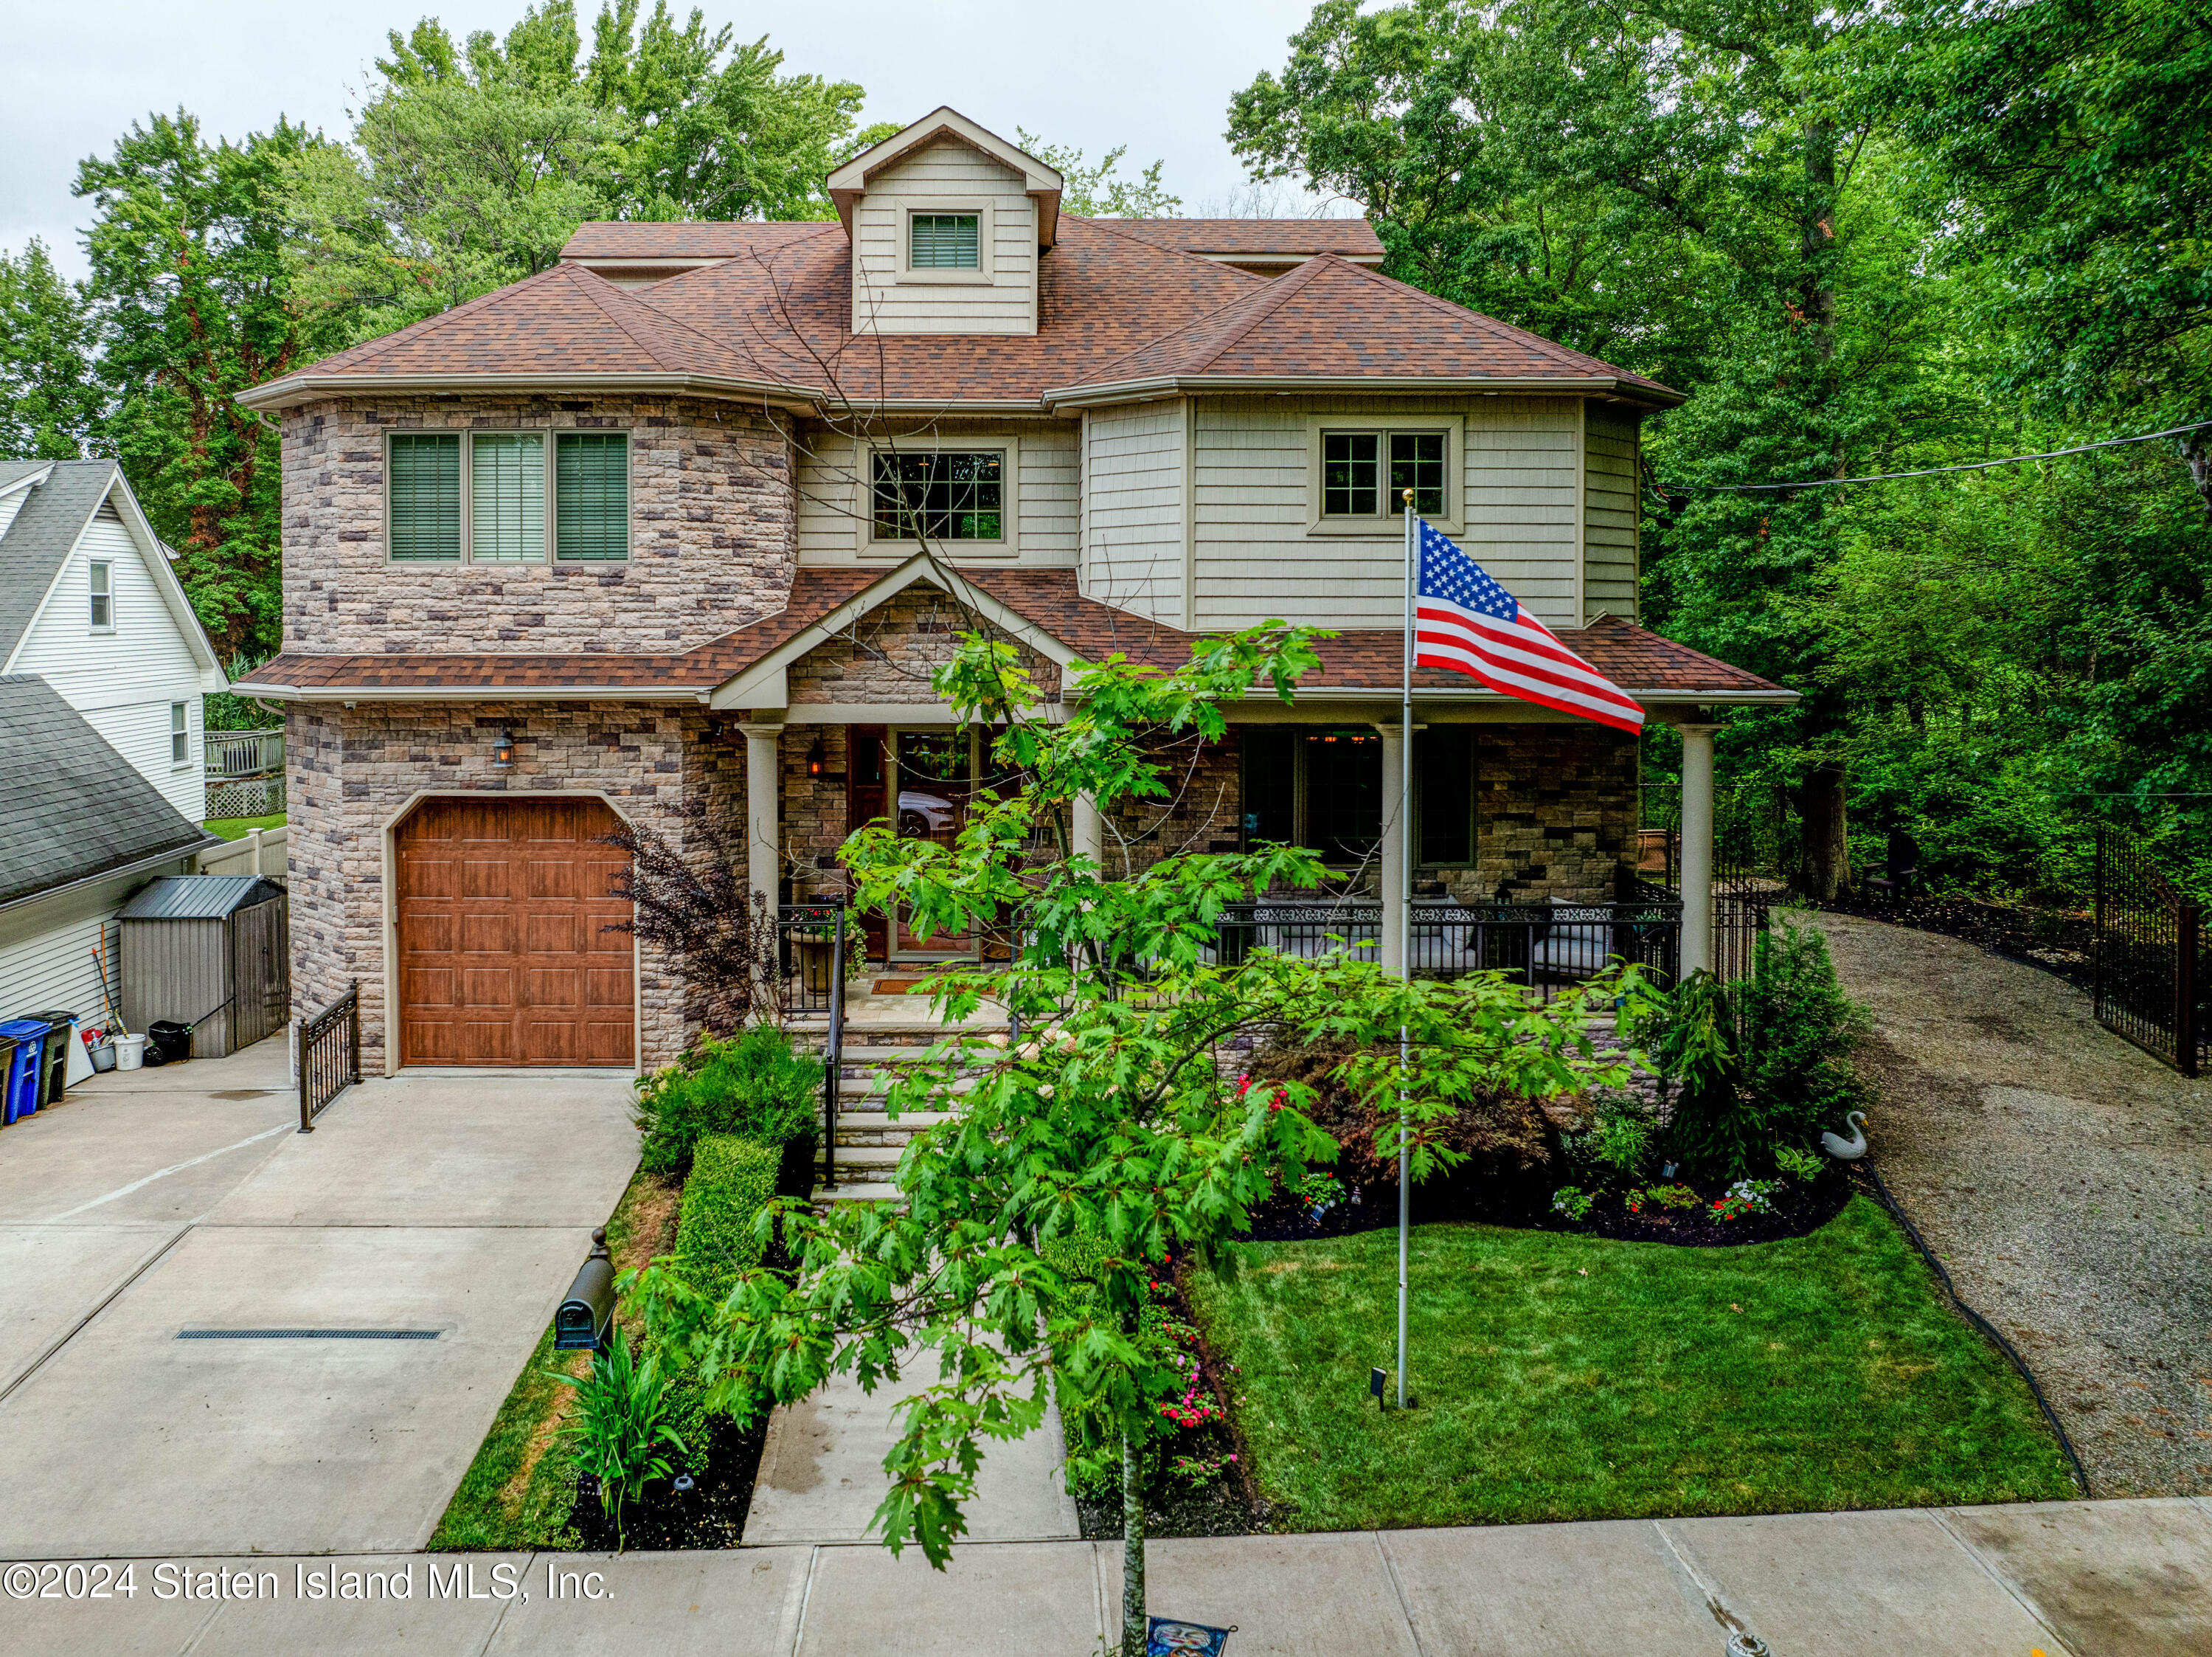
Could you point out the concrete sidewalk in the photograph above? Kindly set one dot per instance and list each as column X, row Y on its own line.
column 183, row 1199
column 2120, row 1579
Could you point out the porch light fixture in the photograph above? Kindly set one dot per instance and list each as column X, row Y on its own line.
column 502, row 752
column 814, row 759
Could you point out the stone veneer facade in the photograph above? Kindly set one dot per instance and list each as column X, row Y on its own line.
column 713, row 533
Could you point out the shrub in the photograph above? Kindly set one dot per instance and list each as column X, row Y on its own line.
column 1616, row 1144
column 1573, row 1202
column 1094, row 1451
column 622, row 1428
column 1798, row 1164
column 1714, row 1130
column 755, row 1084
column 1799, row 1030
column 732, row 1179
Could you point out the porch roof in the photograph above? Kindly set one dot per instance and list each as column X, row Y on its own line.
column 1362, row 661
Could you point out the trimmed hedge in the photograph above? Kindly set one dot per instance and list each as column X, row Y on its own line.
column 732, row 1180
column 756, row 1086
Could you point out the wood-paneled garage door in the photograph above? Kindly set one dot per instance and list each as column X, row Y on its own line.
column 504, row 957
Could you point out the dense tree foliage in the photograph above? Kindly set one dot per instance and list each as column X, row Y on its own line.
column 1863, row 240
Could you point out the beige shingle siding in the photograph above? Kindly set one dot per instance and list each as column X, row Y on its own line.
column 1134, row 557
column 955, row 175
column 1610, row 503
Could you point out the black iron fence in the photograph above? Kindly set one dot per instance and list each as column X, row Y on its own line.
column 1549, row 946
column 809, row 941
column 2149, row 969
column 330, row 1054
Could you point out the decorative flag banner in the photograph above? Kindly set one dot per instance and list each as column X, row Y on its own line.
column 1465, row 621
column 1171, row 1637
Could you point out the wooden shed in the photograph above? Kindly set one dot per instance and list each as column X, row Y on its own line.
column 209, row 951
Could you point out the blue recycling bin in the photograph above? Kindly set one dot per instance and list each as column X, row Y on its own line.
column 29, row 1036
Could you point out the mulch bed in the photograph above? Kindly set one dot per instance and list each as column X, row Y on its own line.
column 711, row 1515
column 1173, row 1507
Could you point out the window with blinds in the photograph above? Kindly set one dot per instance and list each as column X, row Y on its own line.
column 423, row 492
column 591, row 507
column 944, row 241
column 506, row 496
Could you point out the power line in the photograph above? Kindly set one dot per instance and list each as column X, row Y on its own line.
column 1932, row 472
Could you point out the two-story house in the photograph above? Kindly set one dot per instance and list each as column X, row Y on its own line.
column 104, row 671
column 696, row 511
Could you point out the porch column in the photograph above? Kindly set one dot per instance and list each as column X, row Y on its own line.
column 1090, row 830
column 763, row 779
column 1397, row 799
column 1696, row 847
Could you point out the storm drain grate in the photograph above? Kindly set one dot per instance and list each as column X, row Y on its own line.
column 307, row 1334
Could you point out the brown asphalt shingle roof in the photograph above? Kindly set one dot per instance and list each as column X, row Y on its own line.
column 1260, row 238
column 1357, row 658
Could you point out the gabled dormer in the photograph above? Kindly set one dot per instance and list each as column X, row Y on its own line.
column 947, row 223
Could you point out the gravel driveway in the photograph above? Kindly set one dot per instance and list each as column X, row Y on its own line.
column 2065, row 1178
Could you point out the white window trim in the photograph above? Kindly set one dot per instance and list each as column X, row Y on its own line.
column 175, row 763
column 100, row 627
column 552, row 434
column 937, row 275
column 1454, row 430
column 1006, row 546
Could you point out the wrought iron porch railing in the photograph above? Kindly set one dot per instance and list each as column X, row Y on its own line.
column 810, row 949
column 330, row 1054
column 1549, row 946
column 2150, row 966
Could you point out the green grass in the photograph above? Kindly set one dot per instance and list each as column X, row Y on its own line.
column 1819, row 1372
column 517, row 1492
column 235, row 828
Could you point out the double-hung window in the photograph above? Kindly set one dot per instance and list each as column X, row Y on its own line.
column 180, row 734
column 1365, row 474
column 102, row 580
column 498, row 496
column 942, row 496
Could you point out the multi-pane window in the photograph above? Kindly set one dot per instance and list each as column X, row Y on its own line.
column 180, row 734
column 1357, row 482
column 944, row 241
column 103, row 593
column 592, row 487
column 507, row 497
column 1323, row 789
column 491, row 493
column 424, row 494
column 943, row 497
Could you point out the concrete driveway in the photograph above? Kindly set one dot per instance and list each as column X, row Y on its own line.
column 176, row 1202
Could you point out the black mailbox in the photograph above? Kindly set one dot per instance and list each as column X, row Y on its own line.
column 587, row 1315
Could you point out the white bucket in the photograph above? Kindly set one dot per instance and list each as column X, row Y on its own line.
column 129, row 1052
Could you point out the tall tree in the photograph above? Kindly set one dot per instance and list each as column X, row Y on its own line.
column 51, row 402
column 191, row 307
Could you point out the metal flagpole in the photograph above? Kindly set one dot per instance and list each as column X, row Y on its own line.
column 1405, row 900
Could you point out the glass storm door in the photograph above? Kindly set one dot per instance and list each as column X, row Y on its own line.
column 935, row 778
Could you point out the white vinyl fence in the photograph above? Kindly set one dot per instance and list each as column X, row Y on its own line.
column 261, row 852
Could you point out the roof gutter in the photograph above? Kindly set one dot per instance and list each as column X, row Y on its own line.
column 1150, row 386
column 296, row 388
column 136, row 866
column 474, row 693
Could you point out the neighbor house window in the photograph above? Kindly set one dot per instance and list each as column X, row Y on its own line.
column 1364, row 474
column 944, row 497
column 590, row 508
column 507, row 497
column 424, row 494
column 103, row 595
column 491, row 493
column 180, row 734
column 944, row 241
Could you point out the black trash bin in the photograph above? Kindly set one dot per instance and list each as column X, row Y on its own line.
column 168, row 1042
column 55, row 1075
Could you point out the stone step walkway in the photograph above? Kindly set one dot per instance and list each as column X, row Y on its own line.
column 882, row 1034
column 2108, row 1578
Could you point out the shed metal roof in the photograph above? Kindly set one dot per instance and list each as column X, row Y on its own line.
column 199, row 896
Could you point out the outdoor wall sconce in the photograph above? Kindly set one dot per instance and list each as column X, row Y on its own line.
column 502, row 752
column 814, row 758
column 587, row 1314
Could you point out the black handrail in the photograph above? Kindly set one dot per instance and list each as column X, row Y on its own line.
column 811, row 920
column 330, row 1054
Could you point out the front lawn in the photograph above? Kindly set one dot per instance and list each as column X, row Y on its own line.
column 1559, row 1377
column 235, row 828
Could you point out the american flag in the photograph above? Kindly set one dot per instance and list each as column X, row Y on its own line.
column 1465, row 621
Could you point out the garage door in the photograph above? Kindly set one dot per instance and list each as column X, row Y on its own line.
column 504, row 957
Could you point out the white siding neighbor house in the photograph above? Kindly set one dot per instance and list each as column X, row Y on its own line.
column 103, row 673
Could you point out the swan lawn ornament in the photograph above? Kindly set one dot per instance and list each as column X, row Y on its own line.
column 1846, row 1150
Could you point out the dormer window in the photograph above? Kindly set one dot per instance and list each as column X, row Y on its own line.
column 944, row 241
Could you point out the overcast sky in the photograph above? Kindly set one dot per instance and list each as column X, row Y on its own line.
column 1155, row 75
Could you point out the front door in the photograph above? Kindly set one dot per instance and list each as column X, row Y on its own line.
column 933, row 780
column 504, row 958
